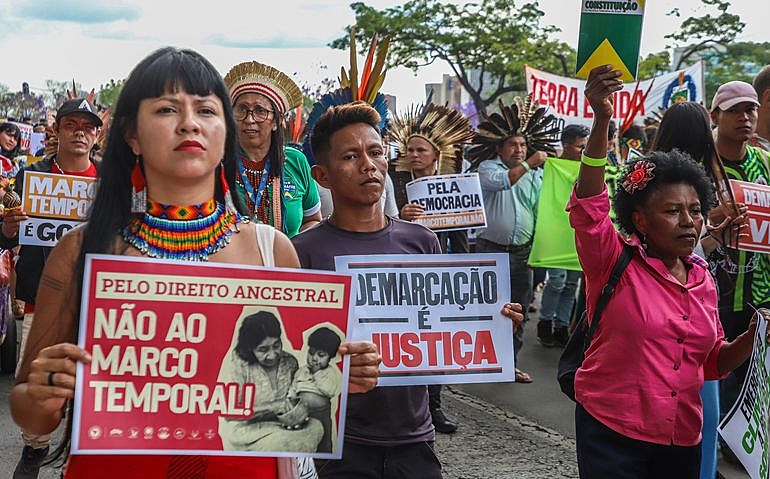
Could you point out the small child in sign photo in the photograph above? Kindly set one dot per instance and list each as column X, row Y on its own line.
column 320, row 380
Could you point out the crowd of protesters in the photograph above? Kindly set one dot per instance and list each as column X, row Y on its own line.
column 683, row 311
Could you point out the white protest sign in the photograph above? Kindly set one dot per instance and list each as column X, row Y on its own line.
column 36, row 142
column 436, row 319
column 26, row 135
column 55, row 204
column 745, row 428
column 451, row 202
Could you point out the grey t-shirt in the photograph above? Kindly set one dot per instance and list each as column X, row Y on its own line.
column 385, row 416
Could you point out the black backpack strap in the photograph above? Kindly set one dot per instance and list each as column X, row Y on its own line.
column 609, row 288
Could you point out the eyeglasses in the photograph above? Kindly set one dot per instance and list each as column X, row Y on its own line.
column 260, row 114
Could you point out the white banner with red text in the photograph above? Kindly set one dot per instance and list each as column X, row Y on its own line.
column 436, row 319
column 565, row 100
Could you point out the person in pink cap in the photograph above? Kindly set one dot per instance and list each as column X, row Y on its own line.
column 743, row 278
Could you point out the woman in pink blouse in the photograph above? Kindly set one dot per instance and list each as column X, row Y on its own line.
column 639, row 409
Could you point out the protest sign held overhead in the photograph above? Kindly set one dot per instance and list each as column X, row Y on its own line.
column 55, row 204
column 210, row 359
column 746, row 427
column 436, row 319
column 451, row 202
column 610, row 33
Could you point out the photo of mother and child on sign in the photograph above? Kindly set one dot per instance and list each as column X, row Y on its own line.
column 296, row 392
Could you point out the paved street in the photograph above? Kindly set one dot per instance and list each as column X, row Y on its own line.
column 516, row 431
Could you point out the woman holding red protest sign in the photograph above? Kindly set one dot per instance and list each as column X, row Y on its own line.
column 168, row 168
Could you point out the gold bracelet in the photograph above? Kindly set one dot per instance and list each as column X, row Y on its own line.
column 525, row 165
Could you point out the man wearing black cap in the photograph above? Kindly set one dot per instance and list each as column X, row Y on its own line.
column 77, row 127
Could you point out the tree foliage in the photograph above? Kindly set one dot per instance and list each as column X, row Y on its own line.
column 56, row 91
column 738, row 61
column 654, row 64
column 18, row 106
column 108, row 94
column 486, row 44
column 704, row 33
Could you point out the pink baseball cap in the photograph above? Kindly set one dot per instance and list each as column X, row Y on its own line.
column 731, row 93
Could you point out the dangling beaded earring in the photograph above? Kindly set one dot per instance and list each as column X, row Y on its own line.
column 229, row 204
column 138, row 188
column 643, row 239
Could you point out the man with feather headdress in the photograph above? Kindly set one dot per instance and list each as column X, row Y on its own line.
column 508, row 150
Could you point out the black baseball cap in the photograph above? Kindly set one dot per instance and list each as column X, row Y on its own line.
column 78, row 105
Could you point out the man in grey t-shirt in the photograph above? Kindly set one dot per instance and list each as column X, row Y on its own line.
column 388, row 430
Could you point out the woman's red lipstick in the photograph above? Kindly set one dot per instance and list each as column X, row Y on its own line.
column 189, row 145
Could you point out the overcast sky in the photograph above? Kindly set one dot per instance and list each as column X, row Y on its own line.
column 96, row 40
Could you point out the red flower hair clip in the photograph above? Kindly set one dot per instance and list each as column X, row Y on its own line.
column 638, row 176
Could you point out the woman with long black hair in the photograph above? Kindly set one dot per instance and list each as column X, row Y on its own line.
column 173, row 148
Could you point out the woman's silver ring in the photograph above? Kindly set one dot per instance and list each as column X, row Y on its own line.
column 50, row 378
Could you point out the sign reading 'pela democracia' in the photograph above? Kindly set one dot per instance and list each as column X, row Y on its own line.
column 451, row 202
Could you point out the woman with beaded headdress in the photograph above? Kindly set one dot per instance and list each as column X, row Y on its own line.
column 174, row 149
column 274, row 179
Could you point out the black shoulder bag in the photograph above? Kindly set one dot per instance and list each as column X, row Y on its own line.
column 575, row 350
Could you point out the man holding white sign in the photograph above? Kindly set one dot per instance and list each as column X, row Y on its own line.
column 77, row 127
column 743, row 277
column 388, row 430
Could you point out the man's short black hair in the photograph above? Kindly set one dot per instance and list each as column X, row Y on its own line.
column 572, row 132
column 762, row 81
column 337, row 118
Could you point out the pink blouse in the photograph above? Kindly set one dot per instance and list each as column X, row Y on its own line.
column 656, row 341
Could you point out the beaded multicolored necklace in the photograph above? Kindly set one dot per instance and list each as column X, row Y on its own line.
column 188, row 233
column 264, row 189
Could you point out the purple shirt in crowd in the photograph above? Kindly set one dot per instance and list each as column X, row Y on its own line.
column 384, row 416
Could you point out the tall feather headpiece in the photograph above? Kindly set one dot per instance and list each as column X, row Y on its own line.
column 354, row 89
column 443, row 127
column 295, row 125
column 523, row 117
column 255, row 77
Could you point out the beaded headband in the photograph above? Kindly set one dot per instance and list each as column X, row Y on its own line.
column 255, row 77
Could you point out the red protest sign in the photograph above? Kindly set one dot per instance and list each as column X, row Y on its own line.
column 757, row 199
column 212, row 359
